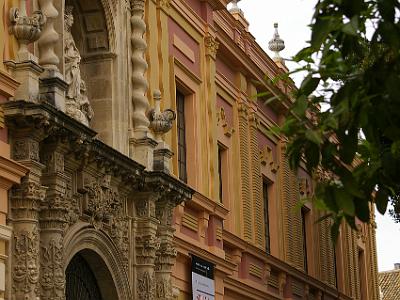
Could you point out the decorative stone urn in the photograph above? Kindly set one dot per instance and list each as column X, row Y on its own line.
column 160, row 122
column 25, row 29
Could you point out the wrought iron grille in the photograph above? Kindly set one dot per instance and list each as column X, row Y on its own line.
column 81, row 283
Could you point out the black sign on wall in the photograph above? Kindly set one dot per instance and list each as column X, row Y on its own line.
column 202, row 267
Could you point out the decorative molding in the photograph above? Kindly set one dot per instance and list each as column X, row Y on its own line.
column 190, row 222
column 304, row 187
column 184, row 48
column 255, row 271
column 146, row 286
column 222, row 121
column 52, row 277
column 8, row 85
column 267, row 159
column 218, row 233
column 25, row 264
column 211, row 45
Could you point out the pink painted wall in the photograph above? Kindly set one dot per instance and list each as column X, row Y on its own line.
column 175, row 29
column 265, row 141
column 267, row 111
column 225, row 70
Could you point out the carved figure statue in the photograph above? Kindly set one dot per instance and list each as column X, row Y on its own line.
column 77, row 103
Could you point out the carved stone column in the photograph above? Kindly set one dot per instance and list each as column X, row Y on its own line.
column 166, row 254
column 25, row 204
column 141, row 142
column 52, row 86
column 52, row 221
column 147, row 245
column 49, row 38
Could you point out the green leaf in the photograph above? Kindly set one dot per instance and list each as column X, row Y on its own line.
column 351, row 27
column 309, row 85
column 313, row 136
column 381, row 200
column 335, row 230
column 345, row 201
column 320, row 31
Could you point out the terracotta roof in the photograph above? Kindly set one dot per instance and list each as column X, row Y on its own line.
column 389, row 283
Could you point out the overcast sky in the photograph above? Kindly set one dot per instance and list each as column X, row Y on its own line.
column 293, row 17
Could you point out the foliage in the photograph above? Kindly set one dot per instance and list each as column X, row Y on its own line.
column 353, row 74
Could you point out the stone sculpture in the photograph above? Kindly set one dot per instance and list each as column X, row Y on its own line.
column 77, row 103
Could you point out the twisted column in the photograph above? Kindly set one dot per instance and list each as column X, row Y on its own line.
column 49, row 38
column 139, row 67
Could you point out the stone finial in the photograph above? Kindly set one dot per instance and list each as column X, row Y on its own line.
column 25, row 29
column 276, row 44
column 160, row 122
column 235, row 7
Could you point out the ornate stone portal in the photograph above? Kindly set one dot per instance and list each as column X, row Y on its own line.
column 77, row 184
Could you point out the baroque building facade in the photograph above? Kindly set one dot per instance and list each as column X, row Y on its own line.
column 96, row 97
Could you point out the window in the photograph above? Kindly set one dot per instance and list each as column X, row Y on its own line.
column 304, row 213
column 181, row 131
column 361, row 274
column 220, row 182
column 266, row 217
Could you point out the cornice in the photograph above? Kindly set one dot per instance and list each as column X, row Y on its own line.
column 276, row 263
column 217, row 4
column 8, row 85
column 187, row 248
column 200, row 201
column 10, row 172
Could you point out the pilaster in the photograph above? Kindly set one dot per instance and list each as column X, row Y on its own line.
column 256, row 181
column 147, row 244
column 53, row 220
column 25, row 205
column 247, row 207
column 167, row 253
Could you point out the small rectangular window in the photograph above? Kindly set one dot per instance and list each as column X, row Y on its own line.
column 304, row 213
column 181, row 131
column 221, row 171
column 266, row 217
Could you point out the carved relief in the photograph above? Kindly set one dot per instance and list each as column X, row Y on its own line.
column 147, row 246
column 145, row 286
column 211, row 45
column 145, row 207
column 222, row 121
column 25, row 271
column 163, row 289
column 24, row 149
column 77, row 103
column 267, row 159
column 119, row 232
column 101, row 201
column 164, row 212
column 52, row 272
column 304, row 187
column 54, row 162
column 166, row 255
